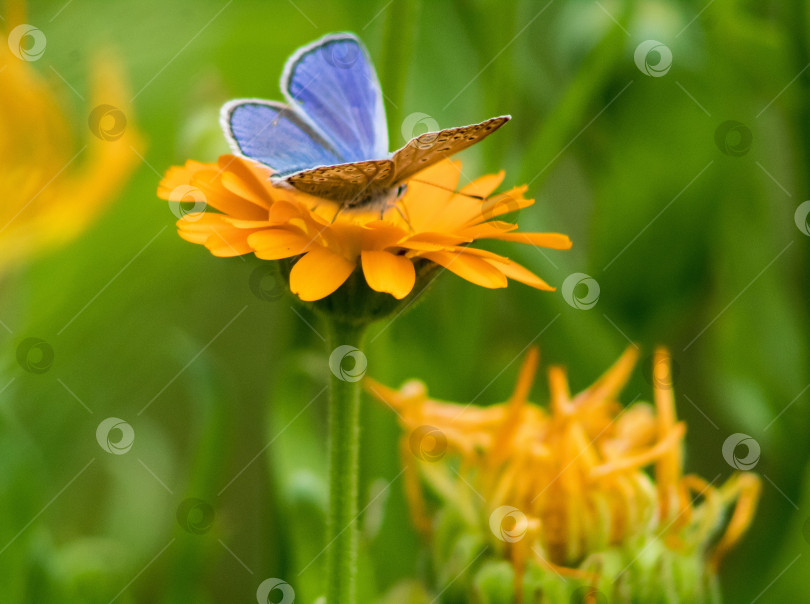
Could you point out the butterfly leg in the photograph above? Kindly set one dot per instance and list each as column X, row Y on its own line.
column 404, row 216
column 401, row 189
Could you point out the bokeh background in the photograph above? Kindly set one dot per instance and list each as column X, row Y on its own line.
column 687, row 225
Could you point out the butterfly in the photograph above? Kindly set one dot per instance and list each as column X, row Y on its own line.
column 330, row 139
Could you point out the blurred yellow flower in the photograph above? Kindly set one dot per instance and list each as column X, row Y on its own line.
column 431, row 224
column 52, row 187
column 564, row 491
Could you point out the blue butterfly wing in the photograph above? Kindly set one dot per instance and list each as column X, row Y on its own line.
column 333, row 84
column 275, row 135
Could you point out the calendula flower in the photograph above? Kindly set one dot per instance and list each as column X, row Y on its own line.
column 433, row 224
column 367, row 244
column 52, row 185
column 581, row 497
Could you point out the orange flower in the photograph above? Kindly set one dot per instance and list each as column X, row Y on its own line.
column 52, row 187
column 564, row 489
column 431, row 223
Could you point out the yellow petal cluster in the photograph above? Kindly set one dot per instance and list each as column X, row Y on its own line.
column 53, row 185
column 570, row 480
column 238, row 210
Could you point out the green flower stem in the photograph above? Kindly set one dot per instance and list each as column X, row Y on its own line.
column 344, row 445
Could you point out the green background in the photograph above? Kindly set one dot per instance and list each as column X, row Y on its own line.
column 678, row 234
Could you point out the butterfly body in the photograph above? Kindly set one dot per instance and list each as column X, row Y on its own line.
column 330, row 139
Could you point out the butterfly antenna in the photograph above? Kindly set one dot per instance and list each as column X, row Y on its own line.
column 433, row 184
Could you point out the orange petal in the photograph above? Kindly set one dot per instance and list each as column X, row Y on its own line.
column 213, row 231
column 484, row 186
column 430, row 241
column 380, row 235
column 254, row 178
column 245, row 224
column 282, row 212
column 505, row 203
column 243, row 190
column 209, row 183
column 428, row 192
column 445, row 173
column 177, row 176
column 196, row 228
column 319, row 273
column 226, row 242
column 515, row 271
column 421, row 202
column 193, row 236
column 387, row 272
column 274, row 244
column 474, row 251
column 555, row 241
column 487, row 230
column 473, row 269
